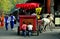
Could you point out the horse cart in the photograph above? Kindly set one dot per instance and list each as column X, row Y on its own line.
column 25, row 15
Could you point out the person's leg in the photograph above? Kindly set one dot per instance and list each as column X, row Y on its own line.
column 30, row 33
column 6, row 25
column 12, row 24
column 24, row 32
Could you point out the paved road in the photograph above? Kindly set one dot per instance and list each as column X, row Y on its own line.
column 55, row 34
column 13, row 35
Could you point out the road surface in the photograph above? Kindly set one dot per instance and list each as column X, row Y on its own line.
column 55, row 34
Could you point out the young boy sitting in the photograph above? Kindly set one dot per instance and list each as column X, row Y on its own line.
column 30, row 26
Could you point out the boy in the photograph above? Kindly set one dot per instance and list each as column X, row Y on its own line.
column 30, row 28
column 12, row 18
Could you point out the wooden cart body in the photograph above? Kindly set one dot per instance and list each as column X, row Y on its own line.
column 27, row 19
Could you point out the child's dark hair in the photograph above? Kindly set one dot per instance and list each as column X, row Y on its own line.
column 24, row 22
column 30, row 23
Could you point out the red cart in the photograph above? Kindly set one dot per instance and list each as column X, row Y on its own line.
column 27, row 19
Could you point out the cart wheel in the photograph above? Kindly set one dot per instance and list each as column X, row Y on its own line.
column 37, row 32
column 18, row 31
column 40, row 29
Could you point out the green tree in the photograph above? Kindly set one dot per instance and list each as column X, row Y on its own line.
column 8, row 5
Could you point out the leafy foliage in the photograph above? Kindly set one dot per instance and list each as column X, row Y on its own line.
column 8, row 5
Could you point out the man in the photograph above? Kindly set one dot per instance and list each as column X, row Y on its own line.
column 12, row 18
column 6, row 22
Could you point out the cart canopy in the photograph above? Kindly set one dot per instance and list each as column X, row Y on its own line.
column 28, row 5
